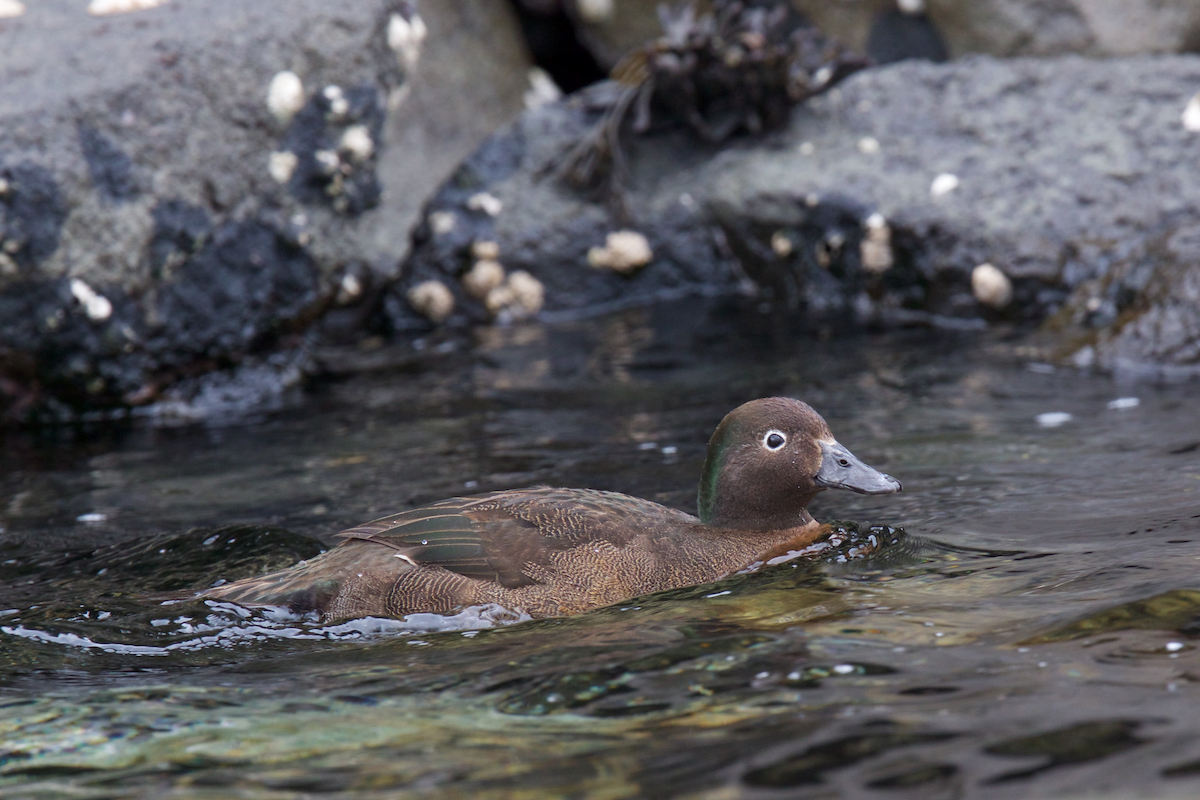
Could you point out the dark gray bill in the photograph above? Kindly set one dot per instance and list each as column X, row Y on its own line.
column 841, row 469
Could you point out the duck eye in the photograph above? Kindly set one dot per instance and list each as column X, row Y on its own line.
column 774, row 440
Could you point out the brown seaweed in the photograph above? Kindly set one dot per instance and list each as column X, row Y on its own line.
column 740, row 69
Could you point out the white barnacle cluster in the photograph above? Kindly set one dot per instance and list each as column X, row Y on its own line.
column 281, row 164
column 943, row 184
column 97, row 307
column 483, row 276
column 868, row 145
column 876, row 247
column 432, row 300
column 285, row 96
column 355, row 146
column 595, row 11
column 328, row 161
column 8, row 247
column 103, row 8
column 11, row 8
column 542, row 89
column 822, row 77
column 486, row 273
column 487, row 203
column 623, row 251
column 1191, row 114
column 782, row 244
column 350, row 289
column 442, row 222
column 506, row 296
column 405, row 37
column 339, row 106
column 357, row 143
column 991, row 287
column 519, row 297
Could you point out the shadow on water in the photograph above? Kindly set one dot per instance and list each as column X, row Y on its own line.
column 1033, row 633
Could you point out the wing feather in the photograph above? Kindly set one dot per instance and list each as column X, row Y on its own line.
column 509, row 537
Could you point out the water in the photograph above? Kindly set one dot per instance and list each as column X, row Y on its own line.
column 1033, row 635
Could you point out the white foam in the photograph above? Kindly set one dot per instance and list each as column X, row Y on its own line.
column 233, row 625
column 74, row 640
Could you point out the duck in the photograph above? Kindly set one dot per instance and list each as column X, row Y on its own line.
column 547, row 552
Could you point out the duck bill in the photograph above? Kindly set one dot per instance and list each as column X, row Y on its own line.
column 841, row 469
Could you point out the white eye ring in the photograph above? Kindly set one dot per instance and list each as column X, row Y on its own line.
column 774, row 434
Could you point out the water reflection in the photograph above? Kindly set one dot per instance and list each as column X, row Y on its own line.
column 1032, row 636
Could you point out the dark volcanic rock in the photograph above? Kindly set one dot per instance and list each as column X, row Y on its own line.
column 145, row 234
column 32, row 212
column 874, row 206
column 547, row 230
column 189, row 187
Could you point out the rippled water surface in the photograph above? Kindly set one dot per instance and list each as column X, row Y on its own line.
column 1033, row 635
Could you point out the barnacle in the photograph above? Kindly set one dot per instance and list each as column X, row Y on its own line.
column 738, row 69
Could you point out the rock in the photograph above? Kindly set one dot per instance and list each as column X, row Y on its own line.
column 471, row 79
column 1140, row 318
column 1029, row 27
column 183, row 186
column 1056, row 27
column 626, row 26
column 906, row 32
column 1062, row 170
column 547, row 230
column 554, row 43
column 884, row 29
column 947, row 27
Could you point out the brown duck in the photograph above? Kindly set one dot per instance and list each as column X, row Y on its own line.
column 549, row 552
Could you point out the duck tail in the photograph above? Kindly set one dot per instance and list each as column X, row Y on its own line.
column 300, row 589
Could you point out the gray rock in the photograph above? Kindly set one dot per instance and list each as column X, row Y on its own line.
column 1030, row 27
column 996, row 27
column 628, row 25
column 471, row 79
column 1062, row 169
column 1056, row 27
column 1140, row 318
column 160, row 217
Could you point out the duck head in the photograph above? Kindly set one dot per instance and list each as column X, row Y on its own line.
column 769, row 458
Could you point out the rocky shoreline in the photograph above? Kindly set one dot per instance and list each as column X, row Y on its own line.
column 193, row 217
column 188, row 189
column 877, row 205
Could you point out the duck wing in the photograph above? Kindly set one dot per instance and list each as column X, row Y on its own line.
column 508, row 537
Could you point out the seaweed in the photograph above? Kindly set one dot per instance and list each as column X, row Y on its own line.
column 739, row 69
